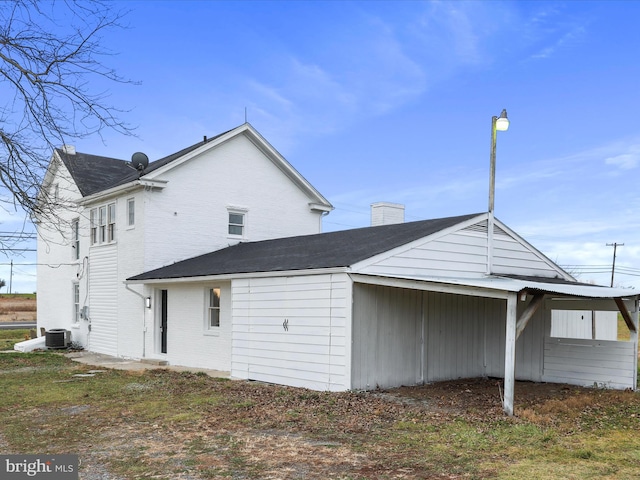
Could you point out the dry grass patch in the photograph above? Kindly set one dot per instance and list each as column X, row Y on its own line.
column 17, row 308
column 162, row 424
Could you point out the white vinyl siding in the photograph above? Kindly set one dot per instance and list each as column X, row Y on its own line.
column 103, row 300
column 460, row 253
column 589, row 362
column 291, row 331
column 512, row 257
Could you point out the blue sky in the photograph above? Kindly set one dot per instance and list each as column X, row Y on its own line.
column 392, row 101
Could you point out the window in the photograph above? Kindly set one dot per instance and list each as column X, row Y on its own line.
column 76, row 302
column 111, row 222
column 213, row 311
column 131, row 212
column 94, row 225
column 236, row 223
column 75, row 238
column 103, row 224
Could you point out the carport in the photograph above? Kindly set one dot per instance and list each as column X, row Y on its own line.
column 424, row 329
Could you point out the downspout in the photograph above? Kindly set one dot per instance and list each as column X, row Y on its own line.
column 144, row 327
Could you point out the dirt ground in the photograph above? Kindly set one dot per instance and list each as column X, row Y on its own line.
column 17, row 309
column 283, row 431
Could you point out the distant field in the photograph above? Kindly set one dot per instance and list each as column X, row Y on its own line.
column 18, row 307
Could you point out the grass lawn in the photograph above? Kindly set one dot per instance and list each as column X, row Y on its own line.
column 169, row 425
column 8, row 338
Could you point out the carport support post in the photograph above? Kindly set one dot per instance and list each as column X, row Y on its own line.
column 510, row 353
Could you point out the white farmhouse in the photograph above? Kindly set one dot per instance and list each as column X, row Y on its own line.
column 117, row 221
column 213, row 257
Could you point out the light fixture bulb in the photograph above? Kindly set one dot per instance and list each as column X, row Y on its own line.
column 502, row 122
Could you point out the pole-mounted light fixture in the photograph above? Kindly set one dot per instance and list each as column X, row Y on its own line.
column 497, row 123
column 500, row 123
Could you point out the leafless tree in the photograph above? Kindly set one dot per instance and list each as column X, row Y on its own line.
column 50, row 65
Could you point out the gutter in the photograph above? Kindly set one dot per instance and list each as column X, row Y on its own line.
column 124, row 188
column 237, row 276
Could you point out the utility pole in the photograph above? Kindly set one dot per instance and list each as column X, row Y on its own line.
column 11, row 277
column 613, row 265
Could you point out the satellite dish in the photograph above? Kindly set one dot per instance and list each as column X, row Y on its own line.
column 139, row 161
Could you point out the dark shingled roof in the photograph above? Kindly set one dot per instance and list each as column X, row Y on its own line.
column 93, row 173
column 323, row 250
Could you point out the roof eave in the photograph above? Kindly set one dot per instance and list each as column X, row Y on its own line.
column 266, row 148
column 237, row 276
column 122, row 189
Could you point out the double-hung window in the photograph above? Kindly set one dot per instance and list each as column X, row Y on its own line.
column 93, row 220
column 213, row 310
column 111, row 222
column 103, row 224
column 236, row 223
column 131, row 212
column 76, row 302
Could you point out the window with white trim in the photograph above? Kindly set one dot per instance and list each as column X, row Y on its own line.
column 111, row 222
column 213, row 309
column 103, row 224
column 94, row 225
column 75, row 239
column 76, row 302
column 236, row 223
column 131, row 212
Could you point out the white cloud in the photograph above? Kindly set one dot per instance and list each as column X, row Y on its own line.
column 625, row 161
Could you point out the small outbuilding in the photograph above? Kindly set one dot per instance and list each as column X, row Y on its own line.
column 385, row 306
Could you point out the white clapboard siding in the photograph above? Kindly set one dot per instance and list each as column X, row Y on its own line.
column 291, row 330
column 589, row 362
column 103, row 311
column 462, row 253
column 513, row 257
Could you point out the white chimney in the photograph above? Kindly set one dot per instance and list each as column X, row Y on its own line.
column 69, row 149
column 385, row 213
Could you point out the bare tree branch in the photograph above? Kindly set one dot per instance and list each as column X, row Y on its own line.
column 50, row 57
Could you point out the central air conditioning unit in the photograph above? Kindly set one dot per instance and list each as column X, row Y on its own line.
column 57, row 338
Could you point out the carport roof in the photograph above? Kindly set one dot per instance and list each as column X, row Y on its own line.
column 516, row 284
